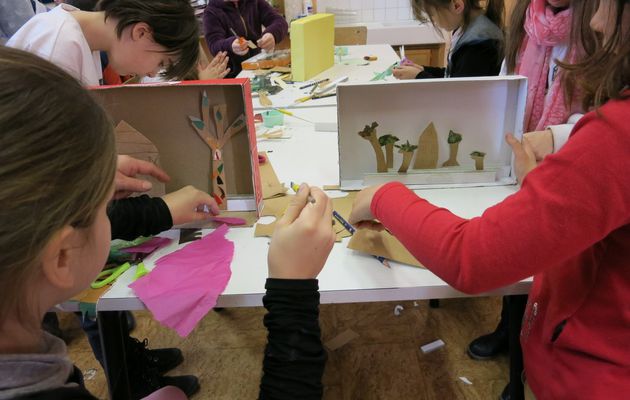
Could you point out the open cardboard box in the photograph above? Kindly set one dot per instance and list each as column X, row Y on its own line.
column 482, row 110
column 161, row 113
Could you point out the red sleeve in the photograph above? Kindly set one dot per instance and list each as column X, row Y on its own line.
column 571, row 201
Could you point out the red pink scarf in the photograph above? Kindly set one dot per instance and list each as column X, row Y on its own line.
column 545, row 30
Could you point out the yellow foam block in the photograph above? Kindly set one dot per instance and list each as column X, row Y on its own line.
column 312, row 45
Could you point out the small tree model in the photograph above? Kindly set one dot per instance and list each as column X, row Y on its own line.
column 216, row 135
column 388, row 141
column 478, row 157
column 406, row 149
column 369, row 133
column 453, row 143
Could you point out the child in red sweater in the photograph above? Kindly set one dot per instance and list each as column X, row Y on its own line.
column 568, row 226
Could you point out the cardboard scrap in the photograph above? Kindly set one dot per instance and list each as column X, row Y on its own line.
column 130, row 142
column 382, row 244
column 271, row 186
column 341, row 339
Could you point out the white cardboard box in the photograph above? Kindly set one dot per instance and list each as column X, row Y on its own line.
column 482, row 109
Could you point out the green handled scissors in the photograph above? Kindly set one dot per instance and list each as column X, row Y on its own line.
column 109, row 275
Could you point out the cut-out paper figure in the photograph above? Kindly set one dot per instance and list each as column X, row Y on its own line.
column 427, row 155
column 453, row 143
column 406, row 149
column 478, row 156
column 369, row 133
column 216, row 140
column 388, row 141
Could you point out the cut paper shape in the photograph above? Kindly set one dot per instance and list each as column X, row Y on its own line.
column 388, row 141
column 406, row 149
column 230, row 220
column 478, row 156
column 129, row 141
column 369, row 133
column 382, row 244
column 341, row 340
column 453, row 146
column 216, row 140
column 148, row 247
column 186, row 283
column 427, row 154
column 271, row 186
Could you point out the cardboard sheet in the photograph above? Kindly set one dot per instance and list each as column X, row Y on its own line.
column 382, row 244
column 271, row 186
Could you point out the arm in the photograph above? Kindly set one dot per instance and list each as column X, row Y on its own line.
column 579, row 193
column 561, row 133
column 138, row 216
column 294, row 358
column 431, row 72
column 217, row 38
column 479, row 59
column 273, row 22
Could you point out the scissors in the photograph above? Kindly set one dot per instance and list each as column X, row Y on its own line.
column 109, row 275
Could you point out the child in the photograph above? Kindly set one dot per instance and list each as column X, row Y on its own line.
column 226, row 21
column 568, row 226
column 542, row 32
column 140, row 38
column 477, row 43
column 57, row 178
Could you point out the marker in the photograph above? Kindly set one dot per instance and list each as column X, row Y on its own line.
column 351, row 229
column 296, row 188
column 313, row 83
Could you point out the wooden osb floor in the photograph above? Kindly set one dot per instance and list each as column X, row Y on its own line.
column 384, row 362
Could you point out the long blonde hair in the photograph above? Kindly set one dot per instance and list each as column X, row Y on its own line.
column 57, row 163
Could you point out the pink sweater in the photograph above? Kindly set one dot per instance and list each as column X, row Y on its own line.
column 569, row 227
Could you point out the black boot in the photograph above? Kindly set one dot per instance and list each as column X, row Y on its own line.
column 146, row 367
column 488, row 346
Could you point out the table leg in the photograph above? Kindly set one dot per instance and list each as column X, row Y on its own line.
column 516, row 304
column 113, row 329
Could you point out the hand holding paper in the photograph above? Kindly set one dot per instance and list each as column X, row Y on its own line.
column 126, row 182
column 361, row 208
column 267, row 42
column 187, row 205
column 239, row 46
column 406, row 71
column 303, row 237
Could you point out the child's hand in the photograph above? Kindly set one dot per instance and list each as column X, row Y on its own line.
column 126, row 182
column 239, row 47
column 407, row 71
column 524, row 158
column 303, row 237
column 187, row 205
column 216, row 69
column 541, row 143
column 361, row 208
column 267, row 42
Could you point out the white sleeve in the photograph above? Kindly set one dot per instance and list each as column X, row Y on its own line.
column 562, row 132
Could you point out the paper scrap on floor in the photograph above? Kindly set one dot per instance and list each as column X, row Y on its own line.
column 186, row 283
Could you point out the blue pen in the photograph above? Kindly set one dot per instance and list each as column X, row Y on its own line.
column 351, row 229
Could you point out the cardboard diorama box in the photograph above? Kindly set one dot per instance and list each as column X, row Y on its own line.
column 429, row 133
column 200, row 133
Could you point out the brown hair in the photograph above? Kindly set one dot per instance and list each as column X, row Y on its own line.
column 605, row 71
column 494, row 10
column 581, row 37
column 58, row 163
column 173, row 24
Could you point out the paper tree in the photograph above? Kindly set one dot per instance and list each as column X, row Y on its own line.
column 388, row 141
column 369, row 133
column 453, row 143
column 427, row 156
column 216, row 140
column 406, row 150
column 478, row 157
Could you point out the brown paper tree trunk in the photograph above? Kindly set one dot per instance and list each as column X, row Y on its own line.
column 452, row 159
column 478, row 163
column 407, row 156
column 381, row 165
column 389, row 155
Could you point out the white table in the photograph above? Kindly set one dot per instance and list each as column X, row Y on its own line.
column 285, row 98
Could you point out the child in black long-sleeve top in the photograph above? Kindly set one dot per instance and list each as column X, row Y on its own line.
column 477, row 43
